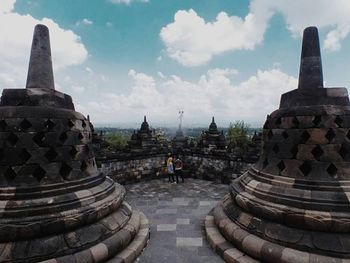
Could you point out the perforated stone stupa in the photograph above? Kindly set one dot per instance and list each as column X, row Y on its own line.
column 54, row 205
column 293, row 204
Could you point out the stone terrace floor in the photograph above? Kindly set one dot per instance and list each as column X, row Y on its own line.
column 176, row 213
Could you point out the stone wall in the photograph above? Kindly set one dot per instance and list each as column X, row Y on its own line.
column 214, row 165
column 131, row 168
column 217, row 166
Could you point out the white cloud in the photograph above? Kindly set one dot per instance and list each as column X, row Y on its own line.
column 192, row 41
column 213, row 94
column 16, row 36
column 78, row 89
column 109, row 24
column 84, row 22
column 127, row 2
column 6, row 79
column 222, row 72
column 161, row 75
column 104, row 78
column 89, row 70
column 6, row 6
column 334, row 37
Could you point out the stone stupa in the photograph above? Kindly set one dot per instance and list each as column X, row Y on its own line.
column 144, row 138
column 212, row 137
column 293, row 205
column 54, row 204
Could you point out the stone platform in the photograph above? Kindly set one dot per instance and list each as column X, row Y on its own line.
column 176, row 213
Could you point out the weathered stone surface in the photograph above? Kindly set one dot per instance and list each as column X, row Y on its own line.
column 40, row 73
column 293, row 204
column 56, row 206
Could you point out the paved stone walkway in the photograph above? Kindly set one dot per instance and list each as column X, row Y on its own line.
column 176, row 213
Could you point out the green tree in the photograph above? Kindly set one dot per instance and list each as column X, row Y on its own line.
column 237, row 136
column 117, row 140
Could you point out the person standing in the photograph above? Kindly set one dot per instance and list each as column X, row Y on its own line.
column 170, row 169
column 178, row 170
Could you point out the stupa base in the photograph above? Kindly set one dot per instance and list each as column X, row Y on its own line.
column 234, row 244
column 129, row 235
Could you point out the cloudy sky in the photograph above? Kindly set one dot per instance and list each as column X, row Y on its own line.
column 122, row 59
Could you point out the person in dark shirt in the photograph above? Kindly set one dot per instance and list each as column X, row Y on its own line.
column 178, row 170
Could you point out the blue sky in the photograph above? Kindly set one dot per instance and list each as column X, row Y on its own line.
column 122, row 59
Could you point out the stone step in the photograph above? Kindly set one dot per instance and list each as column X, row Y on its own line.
column 135, row 248
column 219, row 244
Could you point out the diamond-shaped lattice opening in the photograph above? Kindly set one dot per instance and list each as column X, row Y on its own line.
column 265, row 163
column 25, row 125
column 83, row 166
column 285, row 135
column 343, row 152
column 3, row 125
column 2, row 155
column 49, row 125
column 70, row 124
column 83, row 123
column 294, row 151
column 24, row 155
column 278, row 122
column 39, row 173
column 73, row 151
column 332, row 170
column 317, row 120
column 295, row 122
column 281, row 166
column 330, row 135
column 348, row 135
column 317, row 152
column 65, row 170
column 269, row 134
column 51, row 154
column 304, row 137
column 339, row 121
column 305, row 168
column 39, row 138
column 80, row 136
column 10, row 174
column 63, row 137
column 93, row 163
column 12, row 139
column 275, row 148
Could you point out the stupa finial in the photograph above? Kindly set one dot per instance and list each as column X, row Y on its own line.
column 310, row 74
column 40, row 73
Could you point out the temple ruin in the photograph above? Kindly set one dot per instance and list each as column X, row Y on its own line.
column 62, row 202
column 54, row 204
column 293, row 204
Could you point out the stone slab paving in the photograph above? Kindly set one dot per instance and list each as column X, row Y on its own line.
column 176, row 213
